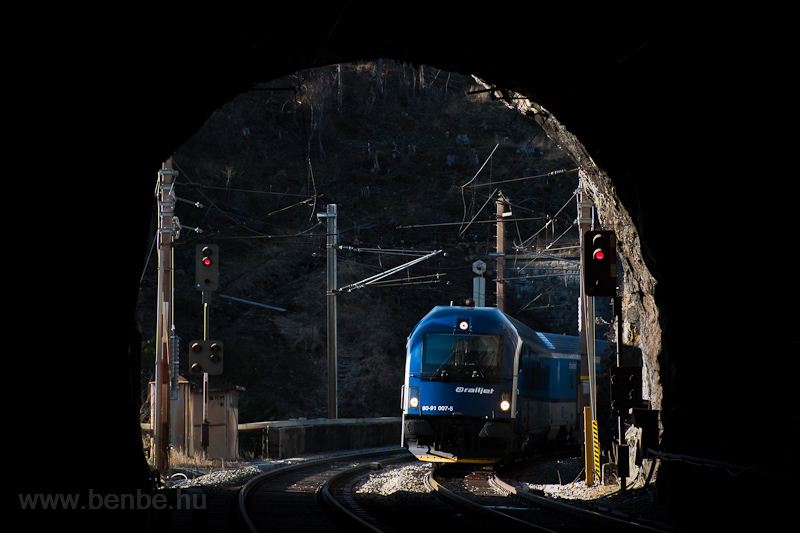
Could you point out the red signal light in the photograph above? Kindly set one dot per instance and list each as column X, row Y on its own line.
column 599, row 254
column 206, row 267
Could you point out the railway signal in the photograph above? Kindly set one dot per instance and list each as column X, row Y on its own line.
column 599, row 263
column 207, row 267
column 206, row 357
column 626, row 389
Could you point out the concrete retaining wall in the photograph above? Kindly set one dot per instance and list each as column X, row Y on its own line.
column 292, row 438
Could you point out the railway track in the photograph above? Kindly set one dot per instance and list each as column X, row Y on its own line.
column 458, row 498
column 412, row 506
column 482, row 492
column 295, row 498
column 389, row 492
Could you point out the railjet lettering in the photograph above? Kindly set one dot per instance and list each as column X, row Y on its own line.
column 474, row 390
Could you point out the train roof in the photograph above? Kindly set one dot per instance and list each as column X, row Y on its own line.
column 558, row 345
column 569, row 344
column 555, row 344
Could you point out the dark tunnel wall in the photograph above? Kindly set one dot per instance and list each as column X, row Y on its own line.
column 664, row 110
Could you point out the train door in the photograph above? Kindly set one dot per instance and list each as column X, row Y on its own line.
column 523, row 389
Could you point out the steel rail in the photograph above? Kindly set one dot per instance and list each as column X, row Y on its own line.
column 619, row 524
column 440, row 490
column 253, row 483
column 334, row 481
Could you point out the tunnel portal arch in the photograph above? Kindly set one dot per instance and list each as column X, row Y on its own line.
column 553, row 73
column 560, row 74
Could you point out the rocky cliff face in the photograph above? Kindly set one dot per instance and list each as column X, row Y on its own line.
column 641, row 323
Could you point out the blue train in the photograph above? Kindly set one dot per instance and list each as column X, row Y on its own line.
column 481, row 386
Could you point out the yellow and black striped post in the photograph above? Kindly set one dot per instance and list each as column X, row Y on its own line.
column 592, row 447
column 596, row 447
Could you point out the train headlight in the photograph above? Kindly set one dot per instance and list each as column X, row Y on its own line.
column 413, row 398
column 505, row 400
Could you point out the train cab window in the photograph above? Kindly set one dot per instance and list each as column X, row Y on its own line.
column 449, row 356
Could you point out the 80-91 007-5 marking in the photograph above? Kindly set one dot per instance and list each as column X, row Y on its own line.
column 436, row 408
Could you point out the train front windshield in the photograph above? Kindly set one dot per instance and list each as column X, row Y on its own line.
column 448, row 356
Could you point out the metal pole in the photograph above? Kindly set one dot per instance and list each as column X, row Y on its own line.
column 584, row 223
column 204, row 429
column 331, row 295
column 166, row 207
column 501, row 251
column 588, row 442
column 585, row 397
column 155, row 423
column 591, row 355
